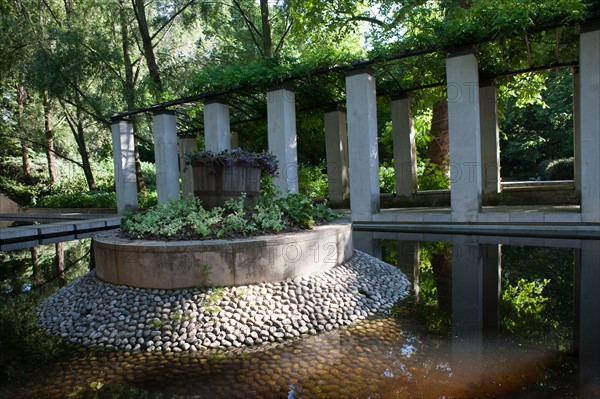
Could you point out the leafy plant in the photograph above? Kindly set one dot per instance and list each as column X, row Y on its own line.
column 186, row 219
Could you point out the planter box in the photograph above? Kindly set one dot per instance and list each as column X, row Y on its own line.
column 214, row 185
column 220, row 262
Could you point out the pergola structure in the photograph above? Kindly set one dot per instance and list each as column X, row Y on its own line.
column 351, row 134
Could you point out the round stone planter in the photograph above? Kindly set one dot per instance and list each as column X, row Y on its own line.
column 183, row 264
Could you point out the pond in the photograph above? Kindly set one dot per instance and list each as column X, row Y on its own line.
column 487, row 317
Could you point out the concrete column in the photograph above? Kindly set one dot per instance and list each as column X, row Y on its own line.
column 234, row 142
column 281, row 115
column 217, row 136
column 187, row 145
column 464, row 130
column 408, row 261
column 589, row 120
column 467, row 306
column 363, row 154
column 405, row 151
column 490, row 137
column 166, row 156
column 492, row 279
column 336, row 147
column 124, row 164
column 589, row 319
column 576, row 129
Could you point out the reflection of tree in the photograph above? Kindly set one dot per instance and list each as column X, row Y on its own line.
column 435, row 285
column 537, row 294
column 26, row 278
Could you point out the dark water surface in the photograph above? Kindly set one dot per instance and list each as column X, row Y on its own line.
column 483, row 320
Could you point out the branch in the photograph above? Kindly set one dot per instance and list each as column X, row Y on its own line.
column 368, row 19
column 46, row 148
column 251, row 27
column 170, row 20
column 287, row 30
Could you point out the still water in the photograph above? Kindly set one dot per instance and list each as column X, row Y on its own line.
column 487, row 317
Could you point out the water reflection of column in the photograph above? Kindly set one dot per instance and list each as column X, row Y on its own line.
column 589, row 319
column 408, row 259
column 364, row 241
column 492, row 269
column 467, row 306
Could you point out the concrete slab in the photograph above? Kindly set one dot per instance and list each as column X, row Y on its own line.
column 14, row 233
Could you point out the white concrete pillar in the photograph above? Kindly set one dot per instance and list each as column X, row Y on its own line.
column 490, row 137
column 589, row 319
column 281, row 116
column 576, row 130
column 589, row 120
column 336, row 149
column 166, row 156
column 462, row 76
column 405, row 150
column 187, row 145
column 217, row 135
column 363, row 154
column 467, row 306
column 124, row 165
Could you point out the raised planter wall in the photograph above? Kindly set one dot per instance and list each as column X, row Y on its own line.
column 182, row 264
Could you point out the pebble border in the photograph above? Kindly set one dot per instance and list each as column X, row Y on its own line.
column 95, row 313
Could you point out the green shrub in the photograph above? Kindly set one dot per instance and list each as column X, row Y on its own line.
column 431, row 177
column 187, row 219
column 559, row 169
column 387, row 179
column 312, row 182
column 90, row 199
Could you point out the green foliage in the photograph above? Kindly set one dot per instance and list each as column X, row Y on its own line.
column 312, row 182
column 90, row 199
column 540, row 129
column 431, row 176
column 387, row 179
column 186, row 219
column 560, row 169
column 301, row 211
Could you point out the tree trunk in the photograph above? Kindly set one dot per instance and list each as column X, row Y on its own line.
column 266, row 29
column 85, row 157
column 35, row 266
column 21, row 96
column 47, row 103
column 140, row 14
column 439, row 148
column 441, row 264
column 59, row 259
column 129, row 93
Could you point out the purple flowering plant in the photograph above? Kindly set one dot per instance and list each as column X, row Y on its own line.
column 266, row 161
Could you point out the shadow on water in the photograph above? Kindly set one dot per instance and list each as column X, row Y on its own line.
column 483, row 320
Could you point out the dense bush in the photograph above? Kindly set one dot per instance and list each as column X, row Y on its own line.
column 90, row 199
column 187, row 219
column 559, row 169
column 312, row 182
